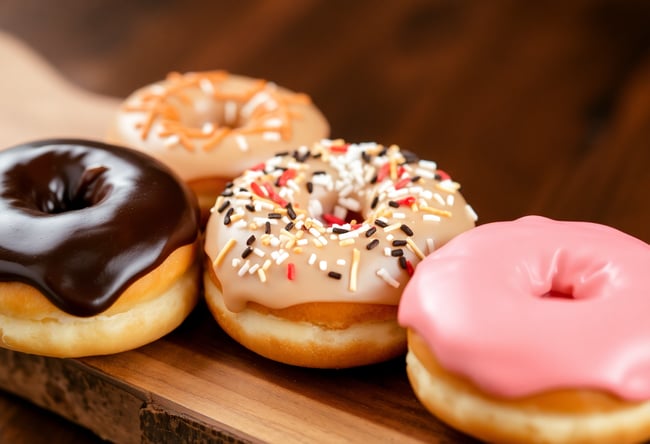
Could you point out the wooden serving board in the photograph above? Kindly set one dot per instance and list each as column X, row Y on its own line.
column 196, row 384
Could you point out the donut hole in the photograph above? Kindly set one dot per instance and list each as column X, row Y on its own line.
column 209, row 113
column 558, row 294
column 76, row 191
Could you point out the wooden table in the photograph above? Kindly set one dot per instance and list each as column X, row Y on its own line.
column 534, row 108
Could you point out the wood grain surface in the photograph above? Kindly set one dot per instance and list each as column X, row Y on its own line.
column 536, row 108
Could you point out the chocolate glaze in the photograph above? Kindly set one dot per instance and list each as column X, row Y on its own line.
column 80, row 221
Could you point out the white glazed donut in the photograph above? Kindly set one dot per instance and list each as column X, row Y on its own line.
column 209, row 126
column 309, row 251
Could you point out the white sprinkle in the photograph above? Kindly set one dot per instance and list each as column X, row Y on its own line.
column 439, row 199
column 282, row 257
column 274, row 122
column 322, row 240
column 340, row 262
column 382, row 273
column 273, row 136
column 263, row 220
column 206, row 86
column 241, row 223
column 302, row 242
column 450, row 200
column 350, row 203
column 390, row 237
column 386, row 251
column 241, row 142
column 258, row 252
column 314, row 232
column 425, row 173
column 428, row 164
column 470, row 211
column 340, row 212
column 322, row 265
column 275, row 242
column 314, row 208
column 312, row 259
column 207, row 128
column 399, row 215
column 244, row 268
column 158, row 90
column 254, row 102
column 392, row 227
column 253, row 269
column 172, row 140
column 449, row 185
column 430, row 245
column 431, row 218
column 236, row 262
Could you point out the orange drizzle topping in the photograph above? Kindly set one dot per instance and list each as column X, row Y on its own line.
column 269, row 116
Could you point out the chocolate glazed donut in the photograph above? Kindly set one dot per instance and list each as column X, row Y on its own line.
column 80, row 221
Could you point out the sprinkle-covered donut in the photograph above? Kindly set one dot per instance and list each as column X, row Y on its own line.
column 309, row 251
column 209, row 126
column 534, row 331
column 97, row 248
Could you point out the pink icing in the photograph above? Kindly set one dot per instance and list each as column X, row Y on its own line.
column 482, row 304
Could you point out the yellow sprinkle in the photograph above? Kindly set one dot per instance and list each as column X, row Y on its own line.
column 354, row 269
column 346, row 242
column 436, row 211
column 252, row 226
column 392, row 227
column 261, row 274
column 266, row 265
column 414, row 248
column 236, row 217
column 224, row 251
column 297, row 250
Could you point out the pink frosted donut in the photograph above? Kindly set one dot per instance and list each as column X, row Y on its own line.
column 534, row 331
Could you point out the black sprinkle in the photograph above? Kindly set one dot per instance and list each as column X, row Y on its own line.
column 243, row 189
column 380, row 223
column 365, row 156
column 372, row 244
column 302, row 157
column 402, row 262
column 397, row 252
column 382, row 152
column 223, row 206
column 290, row 211
column 289, row 226
column 282, row 154
column 230, row 184
column 317, row 155
column 437, row 177
column 374, row 203
column 406, row 229
column 310, row 187
column 399, row 243
column 393, row 204
column 250, row 240
column 339, row 230
column 371, row 231
column 227, row 193
column 226, row 218
column 250, row 207
column 415, row 178
column 374, row 179
column 410, row 156
column 267, row 227
column 318, row 172
column 334, row 275
column 274, row 216
column 247, row 252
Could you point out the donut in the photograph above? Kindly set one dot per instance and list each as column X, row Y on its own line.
column 307, row 253
column 98, row 249
column 209, row 126
column 534, row 330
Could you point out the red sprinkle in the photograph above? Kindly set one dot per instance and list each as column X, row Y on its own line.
column 259, row 167
column 291, row 271
column 409, row 268
column 407, row 201
column 257, row 189
column 400, row 171
column 339, row 148
column 443, row 175
column 331, row 219
column 383, row 172
column 402, row 183
column 286, row 176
